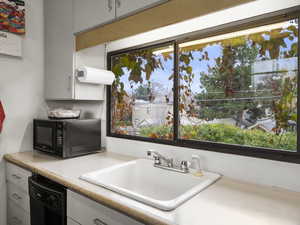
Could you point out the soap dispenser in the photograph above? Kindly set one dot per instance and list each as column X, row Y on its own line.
column 195, row 168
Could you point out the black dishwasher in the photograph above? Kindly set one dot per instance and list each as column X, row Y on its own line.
column 47, row 202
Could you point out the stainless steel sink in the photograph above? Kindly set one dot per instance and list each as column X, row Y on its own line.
column 141, row 181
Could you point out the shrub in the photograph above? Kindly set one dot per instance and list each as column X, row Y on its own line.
column 160, row 132
column 228, row 134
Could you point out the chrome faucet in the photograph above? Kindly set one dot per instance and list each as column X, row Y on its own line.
column 159, row 157
column 168, row 162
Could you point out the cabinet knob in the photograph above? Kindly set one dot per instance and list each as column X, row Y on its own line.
column 16, row 176
column 16, row 196
column 69, row 83
column 99, row 222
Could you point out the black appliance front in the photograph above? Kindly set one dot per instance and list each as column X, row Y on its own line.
column 45, row 136
column 81, row 137
column 47, row 202
column 67, row 138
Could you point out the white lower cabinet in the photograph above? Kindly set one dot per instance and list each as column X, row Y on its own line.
column 18, row 206
column 87, row 212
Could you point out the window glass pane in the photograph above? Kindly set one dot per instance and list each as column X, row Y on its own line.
column 241, row 88
column 142, row 95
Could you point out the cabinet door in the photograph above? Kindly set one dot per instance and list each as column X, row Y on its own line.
column 71, row 222
column 126, row 7
column 88, row 212
column 59, row 49
column 91, row 13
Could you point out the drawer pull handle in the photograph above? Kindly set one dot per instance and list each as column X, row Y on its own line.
column 16, row 176
column 16, row 221
column 109, row 5
column 16, row 196
column 99, row 222
column 118, row 3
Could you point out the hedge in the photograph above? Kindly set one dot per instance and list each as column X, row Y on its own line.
column 228, row 134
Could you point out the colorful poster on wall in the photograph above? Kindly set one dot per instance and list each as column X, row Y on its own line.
column 12, row 16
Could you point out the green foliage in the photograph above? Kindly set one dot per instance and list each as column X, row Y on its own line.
column 285, row 109
column 160, row 132
column 229, row 78
column 228, row 134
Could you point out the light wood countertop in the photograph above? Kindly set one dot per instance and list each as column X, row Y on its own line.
column 227, row 202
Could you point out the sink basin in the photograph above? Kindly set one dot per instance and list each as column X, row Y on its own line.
column 157, row 187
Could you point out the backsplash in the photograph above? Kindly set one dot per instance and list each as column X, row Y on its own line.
column 89, row 109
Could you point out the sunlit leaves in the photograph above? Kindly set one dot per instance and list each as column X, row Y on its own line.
column 285, row 108
column 238, row 41
column 294, row 29
column 256, row 38
column 186, row 58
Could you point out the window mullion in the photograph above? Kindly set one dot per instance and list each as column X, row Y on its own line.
column 176, row 94
column 298, row 93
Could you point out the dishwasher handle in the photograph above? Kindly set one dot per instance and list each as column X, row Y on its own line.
column 49, row 195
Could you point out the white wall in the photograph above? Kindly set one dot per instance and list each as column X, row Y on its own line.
column 21, row 91
column 254, row 170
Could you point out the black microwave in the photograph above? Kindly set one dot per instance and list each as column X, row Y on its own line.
column 67, row 138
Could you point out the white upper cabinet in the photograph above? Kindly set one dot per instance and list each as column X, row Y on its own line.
column 63, row 18
column 127, row 7
column 59, row 49
column 91, row 13
column 61, row 59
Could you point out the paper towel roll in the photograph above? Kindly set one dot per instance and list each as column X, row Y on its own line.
column 95, row 76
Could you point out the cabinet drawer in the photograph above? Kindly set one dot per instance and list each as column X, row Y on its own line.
column 88, row 212
column 16, row 215
column 17, row 176
column 18, row 196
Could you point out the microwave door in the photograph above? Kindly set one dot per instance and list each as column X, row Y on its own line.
column 44, row 136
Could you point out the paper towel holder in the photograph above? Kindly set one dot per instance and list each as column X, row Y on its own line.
column 79, row 73
column 107, row 76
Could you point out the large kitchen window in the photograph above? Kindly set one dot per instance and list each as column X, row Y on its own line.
column 231, row 91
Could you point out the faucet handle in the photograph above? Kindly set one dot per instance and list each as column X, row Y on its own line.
column 184, row 165
column 151, row 152
column 156, row 160
column 155, row 157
